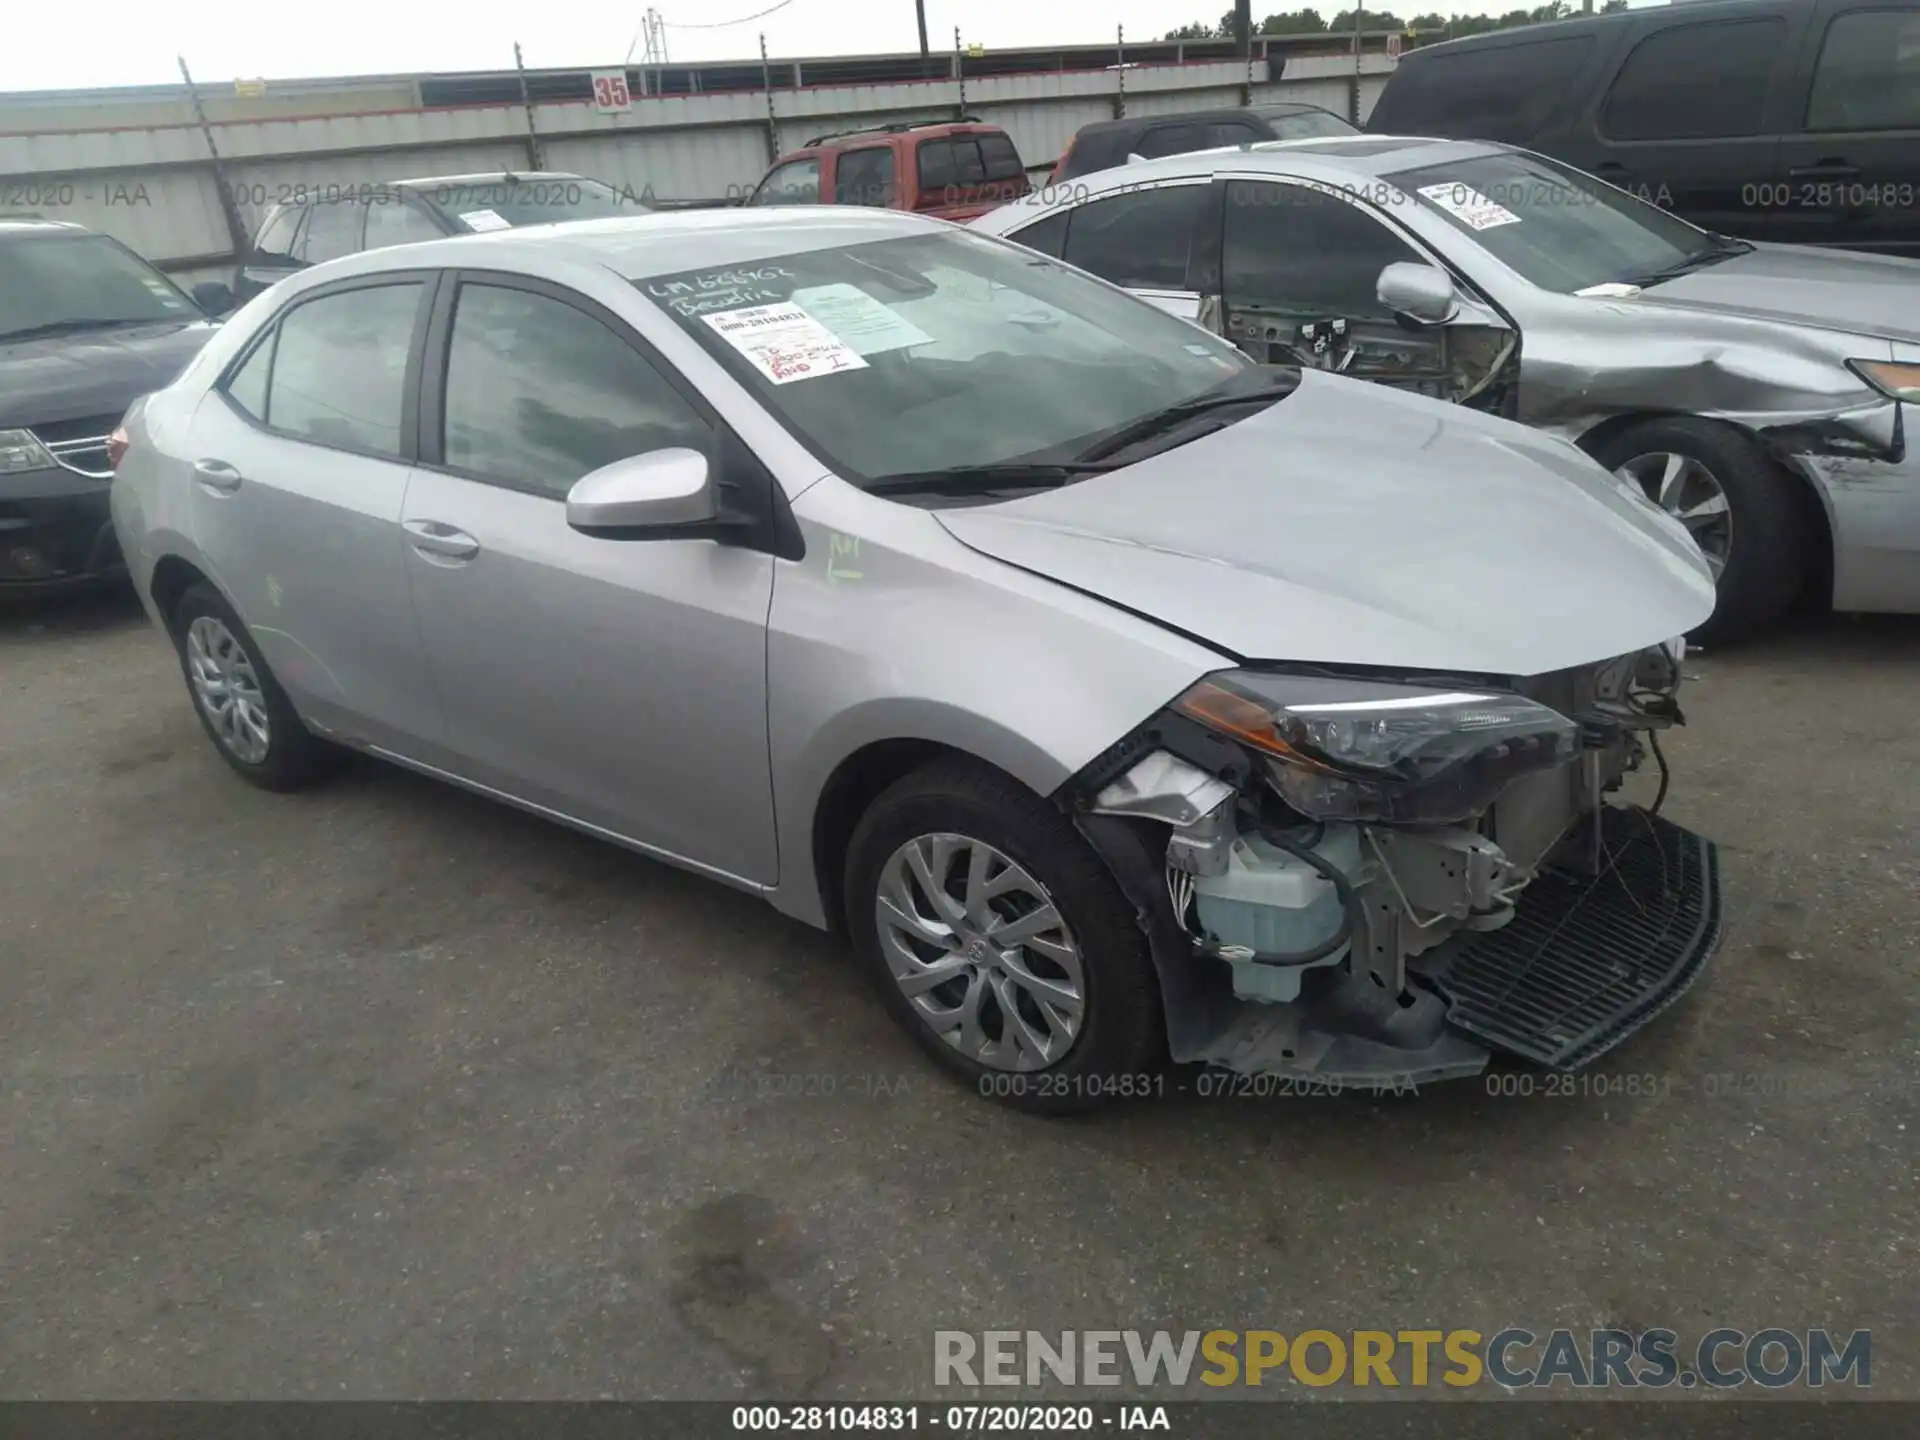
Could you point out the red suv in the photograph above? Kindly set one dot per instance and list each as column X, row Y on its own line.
column 953, row 169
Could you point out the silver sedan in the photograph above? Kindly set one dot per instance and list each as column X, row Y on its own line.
column 1754, row 391
column 1115, row 695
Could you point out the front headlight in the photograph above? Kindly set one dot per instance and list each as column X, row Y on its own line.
column 1891, row 378
column 1365, row 751
column 21, row 450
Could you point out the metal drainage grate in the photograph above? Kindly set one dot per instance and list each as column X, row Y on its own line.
column 1587, row 961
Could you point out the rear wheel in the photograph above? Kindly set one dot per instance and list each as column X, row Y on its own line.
column 1744, row 511
column 1000, row 942
column 241, row 706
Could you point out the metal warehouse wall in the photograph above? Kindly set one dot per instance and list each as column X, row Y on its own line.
column 147, row 177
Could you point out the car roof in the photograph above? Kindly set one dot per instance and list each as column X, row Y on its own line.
column 660, row 243
column 27, row 223
column 489, row 177
column 1683, row 11
column 1179, row 117
column 1323, row 157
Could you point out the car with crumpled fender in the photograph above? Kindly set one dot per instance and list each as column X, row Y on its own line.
column 1116, row 696
column 1755, row 391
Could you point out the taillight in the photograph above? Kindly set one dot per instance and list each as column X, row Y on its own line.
column 116, row 447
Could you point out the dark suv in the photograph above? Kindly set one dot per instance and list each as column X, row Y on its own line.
column 86, row 328
column 1795, row 121
column 1107, row 143
column 330, row 221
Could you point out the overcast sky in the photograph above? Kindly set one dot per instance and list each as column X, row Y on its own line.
column 87, row 43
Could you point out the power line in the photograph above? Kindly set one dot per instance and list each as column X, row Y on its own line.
column 723, row 24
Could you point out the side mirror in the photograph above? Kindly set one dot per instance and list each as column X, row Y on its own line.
column 1420, row 294
column 213, row 297
column 645, row 497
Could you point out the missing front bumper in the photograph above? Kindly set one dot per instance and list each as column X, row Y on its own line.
column 1588, row 960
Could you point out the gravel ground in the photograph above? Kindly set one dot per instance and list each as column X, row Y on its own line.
column 387, row 1091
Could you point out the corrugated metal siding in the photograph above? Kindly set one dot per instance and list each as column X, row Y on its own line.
column 152, row 185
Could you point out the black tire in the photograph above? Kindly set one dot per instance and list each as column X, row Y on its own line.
column 1771, row 539
column 1121, row 1035
column 295, row 757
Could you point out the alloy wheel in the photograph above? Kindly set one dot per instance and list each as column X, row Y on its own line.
column 1687, row 490
column 228, row 690
column 981, row 952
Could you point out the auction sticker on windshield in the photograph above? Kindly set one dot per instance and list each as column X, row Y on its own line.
column 784, row 343
column 1469, row 206
column 859, row 319
column 484, row 220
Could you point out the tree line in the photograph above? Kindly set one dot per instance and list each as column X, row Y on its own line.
column 1421, row 30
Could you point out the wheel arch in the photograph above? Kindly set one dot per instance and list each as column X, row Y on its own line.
column 172, row 576
column 1814, row 502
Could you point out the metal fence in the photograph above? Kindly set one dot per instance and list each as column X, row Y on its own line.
column 184, row 173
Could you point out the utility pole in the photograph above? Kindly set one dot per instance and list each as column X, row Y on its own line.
column 526, row 99
column 920, row 14
column 236, row 231
column 1243, row 26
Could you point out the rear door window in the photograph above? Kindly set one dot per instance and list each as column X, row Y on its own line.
column 275, row 241
column 1493, row 92
column 1048, row 236
column 333, row 231
column 1173, row 140
column 1695, row 82
column 864, row 177
column 1141, row 239
column 1868, row 75
column 795, row 183
column 340, row 368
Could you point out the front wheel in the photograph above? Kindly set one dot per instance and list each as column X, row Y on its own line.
column 1747, row 515
column 999, row 940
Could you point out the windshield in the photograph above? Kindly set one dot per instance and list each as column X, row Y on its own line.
column 81, row 281
column 503, row 204
column 1559, row 228
column 1306, row 124
column 943, row 350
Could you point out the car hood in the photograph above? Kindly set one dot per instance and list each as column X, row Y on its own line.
column 1806, row 285
column 1351, row 524
column 97, row 372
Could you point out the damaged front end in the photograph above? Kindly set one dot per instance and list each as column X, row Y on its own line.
column 1380, row 882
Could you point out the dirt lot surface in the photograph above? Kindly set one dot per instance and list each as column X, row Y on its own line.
column 385, row 1090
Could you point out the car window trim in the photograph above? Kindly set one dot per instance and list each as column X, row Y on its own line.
column 429, row 282
column 432, row 413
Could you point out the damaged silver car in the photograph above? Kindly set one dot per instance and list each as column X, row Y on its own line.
column 1753, row 391
column 1119, row 697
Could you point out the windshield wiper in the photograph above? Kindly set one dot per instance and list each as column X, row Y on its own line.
column 69, row 327
column 1160, row 421
column 1724, row 247
column 981, row 479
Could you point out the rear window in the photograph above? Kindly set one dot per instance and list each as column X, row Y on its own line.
column 1494, row 92
column 1868, row 77
column 1695, row 82
column 968, row 160
column 1000, row 159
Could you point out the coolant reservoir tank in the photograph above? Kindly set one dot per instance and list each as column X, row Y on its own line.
column 1273, row 903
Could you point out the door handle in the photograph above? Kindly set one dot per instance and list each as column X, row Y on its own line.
column 217, row 475
column 430, row 537
column 1824, row 170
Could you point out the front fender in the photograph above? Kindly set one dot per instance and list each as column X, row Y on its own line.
column 891, row 630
